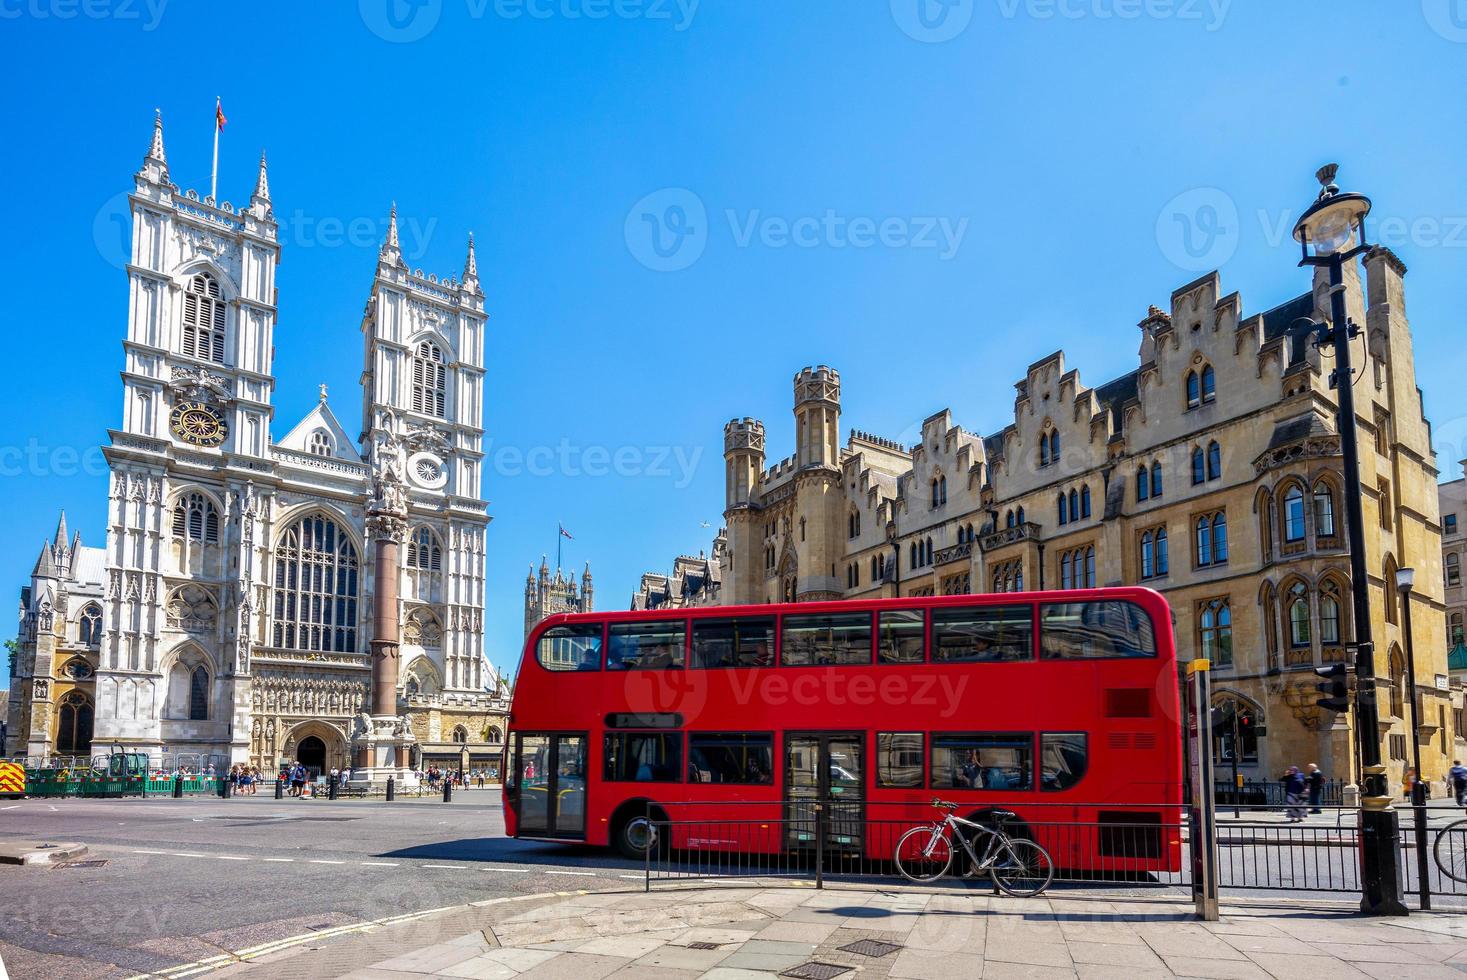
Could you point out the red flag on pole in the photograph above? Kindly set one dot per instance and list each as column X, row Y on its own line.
column 219, row 119
column 565, row 533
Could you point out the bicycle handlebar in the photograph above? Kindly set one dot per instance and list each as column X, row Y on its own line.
column 943, row 803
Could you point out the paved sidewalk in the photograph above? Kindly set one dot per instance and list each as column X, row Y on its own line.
column 739, row 933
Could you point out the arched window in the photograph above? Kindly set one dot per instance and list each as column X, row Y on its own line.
column 1219, row 539
column 493, row 735
column 423, row 551
column 1214, row 461
column 1194, row 389
column 1156, row 479
column 1199, row 466
column 74, row 724
column 1008, row 520
column 1215, row 632
column 1294, row 515
column 1064, row 509
column 1067, row 571
column 198, row 694
column 1148, row 555
column 1043, row 449
column 1163, row 561
column 319, row 444
column 1143, row 484
column 460, row 734
column 1392, row 597
column 1398, row 683
column 203, row 320
column 1209, row 384
column 89, row 630
column 1085, row 501
column 1329, row 613
column 1074, row 506
column 1204, row 542
column 1324, row 511
column 1301, row 633
column 195, row 518
column 1021, row 515
column 1090, row 568
column 927, row 555
column 430, row 380
column 913, row 555
column 316, row 588
column 1054, row 446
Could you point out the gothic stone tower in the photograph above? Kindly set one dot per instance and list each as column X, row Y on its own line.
column 560, row 593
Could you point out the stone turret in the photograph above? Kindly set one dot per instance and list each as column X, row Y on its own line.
column 743, row 454
column 817, row 417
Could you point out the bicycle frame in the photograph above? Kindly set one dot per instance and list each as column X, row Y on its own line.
column 955, row 824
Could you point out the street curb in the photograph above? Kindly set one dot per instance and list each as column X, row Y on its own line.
column 41, row 853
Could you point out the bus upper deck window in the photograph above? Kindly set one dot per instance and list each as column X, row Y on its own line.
column 1095, row 630
column 570, row 648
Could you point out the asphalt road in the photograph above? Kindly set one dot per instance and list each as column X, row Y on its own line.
column 187, row 879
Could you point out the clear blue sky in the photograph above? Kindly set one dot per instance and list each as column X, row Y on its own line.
column 1085, row 157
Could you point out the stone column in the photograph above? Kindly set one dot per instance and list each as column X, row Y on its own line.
column 387, row 528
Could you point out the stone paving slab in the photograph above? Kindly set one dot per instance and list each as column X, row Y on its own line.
column 740, row 933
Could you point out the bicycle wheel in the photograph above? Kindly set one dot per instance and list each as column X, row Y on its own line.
column 1450, row 850
column 1023, row 868
column 923, row 854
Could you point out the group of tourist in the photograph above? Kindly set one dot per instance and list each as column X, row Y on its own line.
column 1296, row 785
column 244, row 779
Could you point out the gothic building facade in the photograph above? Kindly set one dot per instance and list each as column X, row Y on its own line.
column 695, row 580
column 229, row 614
column 1211, row 473
column 546, row 594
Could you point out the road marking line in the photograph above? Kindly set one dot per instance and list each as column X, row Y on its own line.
column 320, row 861
column 11, row 807
column 378, row 864
column 634, row 877
column 230, row 857
column 513, row 871
column 581, row 874
column 149, row 852
column 451, row 867
column 281, row 860
column 185, row 854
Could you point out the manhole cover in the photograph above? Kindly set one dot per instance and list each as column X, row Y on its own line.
column 870, row 947
column 702, row 945
column 816, row 971
column 79, row 864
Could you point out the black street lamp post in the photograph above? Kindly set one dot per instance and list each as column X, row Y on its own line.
column 1332, row 232
column 1405, row 578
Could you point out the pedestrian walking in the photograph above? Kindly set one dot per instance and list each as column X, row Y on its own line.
column 1315, row 780
column 1458, row 775
column 1294, row 787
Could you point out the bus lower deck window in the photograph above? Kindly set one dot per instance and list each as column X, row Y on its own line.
column 982, row 761
column 899, row 759
column 643, row 757
column 1063, row 759
column 730, row 758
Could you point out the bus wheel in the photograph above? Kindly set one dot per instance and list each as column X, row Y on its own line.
column 634, row 835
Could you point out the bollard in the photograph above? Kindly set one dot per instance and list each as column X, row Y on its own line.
column 447, row 790
column 391, row 789
column 280, row 789
column 178, row 786
column 226, row 789
column 331, row 787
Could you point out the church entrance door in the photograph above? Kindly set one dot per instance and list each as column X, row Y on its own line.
column 312, row 754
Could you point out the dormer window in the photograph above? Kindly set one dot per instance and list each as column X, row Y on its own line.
column 203, row 320
column 319, row 444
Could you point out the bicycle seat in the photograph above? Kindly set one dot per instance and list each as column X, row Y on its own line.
column 1002, row 816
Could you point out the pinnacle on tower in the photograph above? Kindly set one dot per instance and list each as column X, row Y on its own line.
column 46, row 564
column 155, row 151
column 262, row 183
column 391, row 252
column 471, row 264
column 61, row 534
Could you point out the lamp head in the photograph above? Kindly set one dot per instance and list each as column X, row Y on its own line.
column 1405, row 578
column 1334, row 220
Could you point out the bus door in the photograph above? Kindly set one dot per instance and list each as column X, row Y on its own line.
column 828, row 768
column 551, row 774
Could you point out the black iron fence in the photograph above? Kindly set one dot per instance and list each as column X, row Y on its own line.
column 1263, row 792
column 1122, row 848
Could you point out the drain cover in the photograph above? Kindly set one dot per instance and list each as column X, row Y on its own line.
column 816, row 971
column 79, row 864
column 702, row 945
column 870, row 947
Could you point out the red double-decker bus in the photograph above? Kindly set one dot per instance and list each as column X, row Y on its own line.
column 1061, row 707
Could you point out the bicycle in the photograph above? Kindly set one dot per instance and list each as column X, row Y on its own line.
column 1016, row 865
column 1450, row 850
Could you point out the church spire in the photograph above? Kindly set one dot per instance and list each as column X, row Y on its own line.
column 391, row 252
column 61, row 535
column 155, row 164
column 262, row 183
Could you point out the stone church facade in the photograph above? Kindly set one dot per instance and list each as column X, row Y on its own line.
column 235, row 587
column 1211, row 473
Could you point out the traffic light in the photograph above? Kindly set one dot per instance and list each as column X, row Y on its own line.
column 1335, row 687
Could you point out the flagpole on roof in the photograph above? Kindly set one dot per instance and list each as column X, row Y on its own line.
column 214, row 172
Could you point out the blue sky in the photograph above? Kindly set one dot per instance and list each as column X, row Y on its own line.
column 678, row 205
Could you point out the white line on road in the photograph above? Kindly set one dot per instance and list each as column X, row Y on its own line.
column 230, row 857
column 281, row 860
column 634, row 877
column 320, row 861
column 185, row 854
column 149, row 852
column 579, row 874
column 451, row 867
column 379, row 864
column 11, row 807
